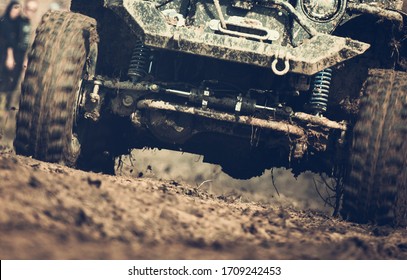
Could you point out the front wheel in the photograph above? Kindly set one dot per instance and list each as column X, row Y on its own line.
column 48, row 104
column 376, row 190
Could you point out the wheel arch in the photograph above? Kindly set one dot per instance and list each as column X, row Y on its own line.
column 116, row 39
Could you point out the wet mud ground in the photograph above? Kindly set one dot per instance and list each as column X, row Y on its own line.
column 48, row 211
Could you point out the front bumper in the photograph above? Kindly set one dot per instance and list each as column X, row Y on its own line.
column 313, row 55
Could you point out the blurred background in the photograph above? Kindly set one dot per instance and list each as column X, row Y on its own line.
column 44, row 6
column 276, row 186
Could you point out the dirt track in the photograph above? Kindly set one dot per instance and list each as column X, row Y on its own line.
column 48, row 211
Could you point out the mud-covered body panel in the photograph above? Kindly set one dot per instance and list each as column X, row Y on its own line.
column 314, row 54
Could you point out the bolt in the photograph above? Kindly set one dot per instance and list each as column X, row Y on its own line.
column 154, row 88
column 127, row 100
column 280, row 13
column 288, row 110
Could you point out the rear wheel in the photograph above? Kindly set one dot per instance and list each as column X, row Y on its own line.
column 49, row 99
column 376, row 190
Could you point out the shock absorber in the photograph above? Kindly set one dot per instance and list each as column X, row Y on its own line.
column 320, row 92
column 140, row 62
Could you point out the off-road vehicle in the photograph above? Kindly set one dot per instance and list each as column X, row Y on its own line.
column 315, row 85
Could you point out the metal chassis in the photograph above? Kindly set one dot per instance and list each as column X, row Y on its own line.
column 130, row 100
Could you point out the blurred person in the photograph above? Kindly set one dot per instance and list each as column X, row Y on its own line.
column 28, row 13
column 9, row 30
column 15, row 34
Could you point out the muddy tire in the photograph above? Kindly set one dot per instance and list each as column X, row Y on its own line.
column 376, row 190
column 46, row 116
